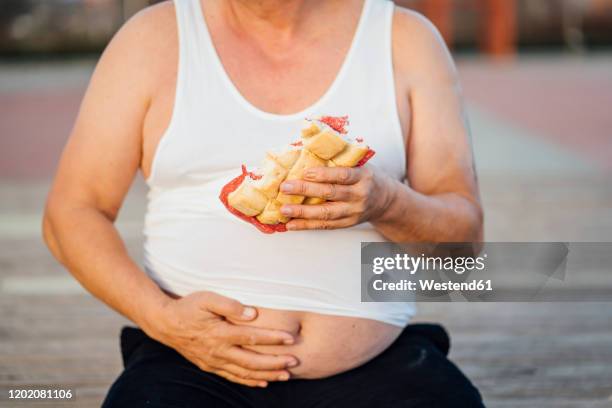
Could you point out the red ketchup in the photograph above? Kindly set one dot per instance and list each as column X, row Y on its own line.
column 338, row 123
column 370, row 153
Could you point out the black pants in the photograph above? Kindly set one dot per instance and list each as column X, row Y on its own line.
column 412, row 372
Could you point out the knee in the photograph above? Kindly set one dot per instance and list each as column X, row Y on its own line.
column 463, row 401
column 437, row 380
column 131, row 391
column 164, row 385
column 467, row 399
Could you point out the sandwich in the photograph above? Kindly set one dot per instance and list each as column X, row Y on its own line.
column 255, row 196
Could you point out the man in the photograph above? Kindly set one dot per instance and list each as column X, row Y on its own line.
column 186, row 92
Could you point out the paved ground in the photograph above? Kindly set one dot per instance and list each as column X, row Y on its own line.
column 544, row 152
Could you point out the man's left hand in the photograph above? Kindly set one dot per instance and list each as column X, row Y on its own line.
column 353, row 195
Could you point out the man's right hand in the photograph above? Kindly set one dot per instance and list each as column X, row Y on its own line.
column 196, row 327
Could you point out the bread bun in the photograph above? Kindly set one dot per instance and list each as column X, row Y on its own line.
column 323, row 144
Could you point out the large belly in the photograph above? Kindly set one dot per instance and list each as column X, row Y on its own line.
column 326, row 344
column 306, row 282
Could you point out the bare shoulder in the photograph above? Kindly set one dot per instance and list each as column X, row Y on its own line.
column 419, row 51
column 150, row 27
column 145, row 46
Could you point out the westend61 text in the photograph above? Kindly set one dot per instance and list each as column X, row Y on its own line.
column 429, row 285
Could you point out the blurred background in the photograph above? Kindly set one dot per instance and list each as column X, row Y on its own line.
column 28, row 26
column 537, row 78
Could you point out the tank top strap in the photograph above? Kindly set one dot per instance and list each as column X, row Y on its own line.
column 188, row 29
column 376, row 23
column 193, row 39
column 372, row 60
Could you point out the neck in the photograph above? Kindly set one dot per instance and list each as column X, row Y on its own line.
column 274, row 20
column 278, row 14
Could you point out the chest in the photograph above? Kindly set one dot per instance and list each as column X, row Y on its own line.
column 284, row 79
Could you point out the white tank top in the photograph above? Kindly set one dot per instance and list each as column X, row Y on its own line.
column 193, row 243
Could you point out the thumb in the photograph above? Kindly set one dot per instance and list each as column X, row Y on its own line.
column 227, row 307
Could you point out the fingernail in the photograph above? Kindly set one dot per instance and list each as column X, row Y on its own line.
column 292, row 363
column 283, row 377
column 291, row 227
column 248, row 313
column 288, row 340
column 309, row 174
column 286, row 187
column 262, row 384
column 286, row 210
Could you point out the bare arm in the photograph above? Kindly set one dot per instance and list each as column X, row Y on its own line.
column 96, row 170
column 441, row 202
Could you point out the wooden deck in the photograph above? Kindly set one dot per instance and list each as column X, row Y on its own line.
column 520, row 355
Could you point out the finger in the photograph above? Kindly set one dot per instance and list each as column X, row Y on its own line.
column 332, row 192
column 335, row 175
column 227, row 307
column 246, row 335
column 253, row 360
column 234, row 378
column 297, row 224
column 246, row 374
column 325, row 211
